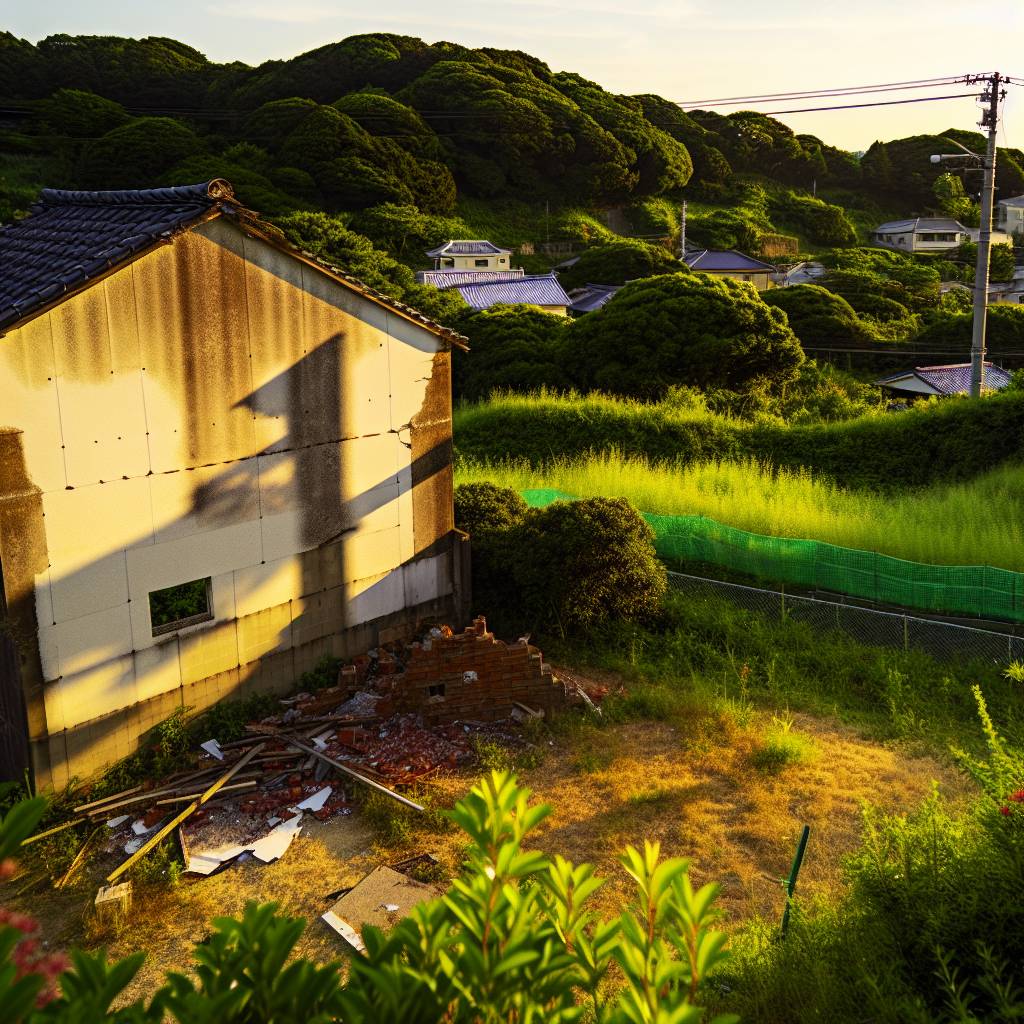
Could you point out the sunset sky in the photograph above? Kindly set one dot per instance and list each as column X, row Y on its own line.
column 688, row 50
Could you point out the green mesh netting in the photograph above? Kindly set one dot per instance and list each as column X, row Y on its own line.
column 954, row 589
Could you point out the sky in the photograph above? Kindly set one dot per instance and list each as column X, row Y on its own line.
column 688, row 50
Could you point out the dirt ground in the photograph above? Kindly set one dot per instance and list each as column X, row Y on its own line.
column 689, row 785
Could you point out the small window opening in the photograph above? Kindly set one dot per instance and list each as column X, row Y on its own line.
column 436, row 690
column 482, row 263
column 183, row 605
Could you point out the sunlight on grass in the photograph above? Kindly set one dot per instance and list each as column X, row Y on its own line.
column 974, row 523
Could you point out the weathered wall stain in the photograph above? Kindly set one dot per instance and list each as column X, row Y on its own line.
column 220, row 408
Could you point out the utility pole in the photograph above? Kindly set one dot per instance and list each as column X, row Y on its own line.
column 990, row 120
column 682, row 232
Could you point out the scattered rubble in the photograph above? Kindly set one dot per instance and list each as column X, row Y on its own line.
column 396, row 715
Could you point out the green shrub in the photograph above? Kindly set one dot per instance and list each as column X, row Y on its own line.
column 569, row 567
column 621, row 261
column 513, row 939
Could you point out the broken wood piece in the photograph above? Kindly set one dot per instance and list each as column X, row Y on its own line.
column 250, row 784
column 527, row 710
column 355, row 775
column 107, row 799
column 192, row 807
column 79, row 858
column 52, row 831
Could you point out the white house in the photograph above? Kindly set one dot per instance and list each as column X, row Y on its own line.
column 1010, row 216
column 220, row 460
column 470, row 254
column 921, row 234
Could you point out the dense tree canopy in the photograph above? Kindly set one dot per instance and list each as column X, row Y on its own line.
column 619, row 262
column 684, row 329
column 820, row 317
column 515, row 348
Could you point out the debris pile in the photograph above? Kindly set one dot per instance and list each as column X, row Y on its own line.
column 395, row 715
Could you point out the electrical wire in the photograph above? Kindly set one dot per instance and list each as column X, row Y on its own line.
column 880, row 103
column 920, row 83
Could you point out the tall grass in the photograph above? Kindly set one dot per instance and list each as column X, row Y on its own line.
column 980, row 522
column 936, row 443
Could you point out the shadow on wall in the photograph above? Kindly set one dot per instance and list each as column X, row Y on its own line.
column 319, row 507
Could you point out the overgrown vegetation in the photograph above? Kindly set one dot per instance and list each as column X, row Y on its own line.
column 921, row 526
column 513, row 938
column 936, row 442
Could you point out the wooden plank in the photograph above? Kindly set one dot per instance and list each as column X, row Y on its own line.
column 192, row 796
column 108, row 799
column 355, row 775
column 178, row 819
column 52, row 831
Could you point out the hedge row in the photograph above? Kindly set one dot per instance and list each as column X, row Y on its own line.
column 943, row 441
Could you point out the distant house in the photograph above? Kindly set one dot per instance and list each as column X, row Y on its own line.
column 807, row 272
column 470, row 254
column 443, row 279
column 221, row 459
column 1010, row 215
column 953, row 379
column 542, row 290
column 732, row 264
column 921, row 234
column 591, row 297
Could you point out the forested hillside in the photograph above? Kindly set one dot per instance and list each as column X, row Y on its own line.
column 388, row 119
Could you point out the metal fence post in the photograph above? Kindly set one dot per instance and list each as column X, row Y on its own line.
column 790, row 883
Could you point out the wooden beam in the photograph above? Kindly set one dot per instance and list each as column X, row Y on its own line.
column 192, row 807
column 355, row 775
column 52, row 831
column 192, row 796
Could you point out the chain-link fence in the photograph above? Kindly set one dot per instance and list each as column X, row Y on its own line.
column 946, row 640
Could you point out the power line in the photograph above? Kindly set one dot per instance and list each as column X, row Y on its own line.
column 880, row 103
column 811, row 93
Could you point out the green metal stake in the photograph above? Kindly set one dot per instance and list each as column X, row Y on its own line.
column 790, row 883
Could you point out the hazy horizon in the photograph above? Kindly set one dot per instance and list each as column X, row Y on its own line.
column 650, row 46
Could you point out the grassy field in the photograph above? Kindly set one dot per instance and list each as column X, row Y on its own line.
column 980, row 522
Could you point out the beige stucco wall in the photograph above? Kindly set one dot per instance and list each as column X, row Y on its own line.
column 502, row 262
column 218, row 408
column 761, row 280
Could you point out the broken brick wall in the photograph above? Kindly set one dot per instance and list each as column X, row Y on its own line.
column 472, row 675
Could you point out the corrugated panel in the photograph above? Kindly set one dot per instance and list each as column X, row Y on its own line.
column 531, row 291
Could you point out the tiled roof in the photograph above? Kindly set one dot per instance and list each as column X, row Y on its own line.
column 468, row 247
column 920, row 224
column 952, row 379
column 1012, row 201
column 543, row 290
column 592, row 296
column 724, row 259
column 442, row 279
column 69, row 238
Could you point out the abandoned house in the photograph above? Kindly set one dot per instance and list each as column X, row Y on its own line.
column 220, row 460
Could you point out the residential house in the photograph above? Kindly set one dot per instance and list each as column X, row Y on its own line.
column 1010, row 216
column 921, row 234
column 541, row 290
column 732, row 264
column 470, row 254
column 220, row 460
column 952, row 379
column 592, row 297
